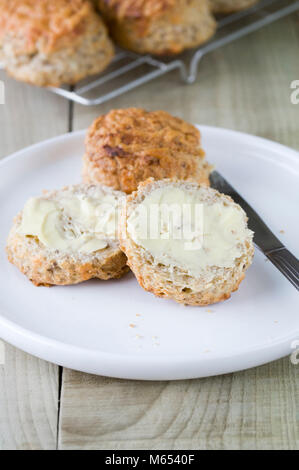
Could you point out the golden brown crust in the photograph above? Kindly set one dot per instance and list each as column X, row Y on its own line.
column 51, row 43
column 52, row 24
column 127, row 146
column 158, row 26
column 177, row 285
column 137, row 8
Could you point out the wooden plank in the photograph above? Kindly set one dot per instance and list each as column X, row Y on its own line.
column 244, row 86
column 28, row 386
column 28, row 402
column 29, row 115
column 253, row 409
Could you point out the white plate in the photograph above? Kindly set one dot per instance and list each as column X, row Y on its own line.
column 86, row 327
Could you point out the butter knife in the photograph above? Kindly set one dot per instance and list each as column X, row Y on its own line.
column 264, row 239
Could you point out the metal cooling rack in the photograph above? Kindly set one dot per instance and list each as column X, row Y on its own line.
column 128, row 70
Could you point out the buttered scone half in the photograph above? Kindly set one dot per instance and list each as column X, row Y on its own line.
column 158, row 26
column 68, row 236
column 231, row 6
column 186, row 242
column 127, row 146
column 48, row 43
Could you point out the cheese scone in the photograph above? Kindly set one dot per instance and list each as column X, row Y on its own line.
column 158, row 26
column 68, row 236
column 184, row 241
column 230, row 6
column 127, row 146
column 48, row 43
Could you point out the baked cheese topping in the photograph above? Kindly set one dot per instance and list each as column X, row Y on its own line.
column 72, row 223
column 179, row 229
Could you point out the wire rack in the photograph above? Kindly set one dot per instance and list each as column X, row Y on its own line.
column 128, row 70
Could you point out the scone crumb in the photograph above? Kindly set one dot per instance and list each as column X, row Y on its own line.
column 281, row 231
column 132, row 325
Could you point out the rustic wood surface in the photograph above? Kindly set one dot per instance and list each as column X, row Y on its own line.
column 28, row 386
column 244, row 86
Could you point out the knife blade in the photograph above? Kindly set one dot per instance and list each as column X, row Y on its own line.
column 264, row 238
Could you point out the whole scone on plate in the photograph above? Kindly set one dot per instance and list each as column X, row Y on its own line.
column 231, row 6
column 49, row 43
column 127, row 146
column 184, row 241
column 158, row 26
column 68, row 236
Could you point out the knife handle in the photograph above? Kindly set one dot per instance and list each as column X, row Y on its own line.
column 287, row 264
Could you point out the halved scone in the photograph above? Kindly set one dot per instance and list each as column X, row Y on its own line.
column 68, row 236
column 185, row 241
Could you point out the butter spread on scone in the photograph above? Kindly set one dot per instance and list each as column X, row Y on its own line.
column 191, row 234
column 77, row 222
column 68, row 236
column 185, row 241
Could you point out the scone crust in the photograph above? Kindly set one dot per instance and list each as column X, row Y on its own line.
column 42, row 25
column 50, row 43
column 231, row 6
column 138, row 9
column 51, row 267
column 161, row 282
column 158, row 26
column 127, row 146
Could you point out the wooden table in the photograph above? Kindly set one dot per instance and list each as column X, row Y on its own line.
column 244, row 86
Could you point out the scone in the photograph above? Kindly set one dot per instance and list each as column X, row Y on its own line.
column 127, row 146
column 185, row 241
column 158, row 26
column 48, row 43
column 230, row 6
column 68, row 236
